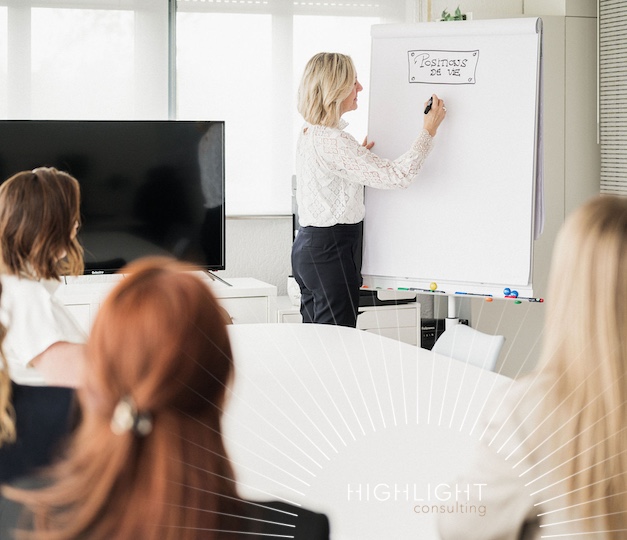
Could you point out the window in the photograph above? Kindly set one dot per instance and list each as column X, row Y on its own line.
column 241, row 62
column 84, row 59
column 81, row 81
column 3, row 61
column 224, row 72
column 236, row 60
column 613, row 95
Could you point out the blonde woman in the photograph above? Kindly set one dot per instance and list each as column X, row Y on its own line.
column 332, row 169
column 148, row 461
column 553, row 460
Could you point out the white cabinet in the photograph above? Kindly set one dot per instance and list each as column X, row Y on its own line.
column 82, row 314
column 401, row 322
column 247, row 300
column 82, row 295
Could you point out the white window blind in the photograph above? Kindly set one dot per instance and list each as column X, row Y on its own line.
column 83, row 59
column 613, row 95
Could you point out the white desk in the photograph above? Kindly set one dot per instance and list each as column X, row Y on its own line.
column 359, row 426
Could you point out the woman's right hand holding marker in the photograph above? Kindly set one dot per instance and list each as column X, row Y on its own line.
column 435, row 111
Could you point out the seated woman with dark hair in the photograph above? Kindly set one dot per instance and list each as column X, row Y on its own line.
column 42, row 343
column 148, row 459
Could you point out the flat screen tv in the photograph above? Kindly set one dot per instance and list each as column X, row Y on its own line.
column 147, row 187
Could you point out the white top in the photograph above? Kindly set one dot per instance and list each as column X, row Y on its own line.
column 35, row 319
column 524, row 490
column 332, row 168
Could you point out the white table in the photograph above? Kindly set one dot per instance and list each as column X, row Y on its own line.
column 364, row 428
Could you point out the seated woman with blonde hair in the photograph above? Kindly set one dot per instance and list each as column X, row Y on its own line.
column 148, row 460
column 552, row 460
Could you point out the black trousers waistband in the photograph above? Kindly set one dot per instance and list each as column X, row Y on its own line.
column 338, row 228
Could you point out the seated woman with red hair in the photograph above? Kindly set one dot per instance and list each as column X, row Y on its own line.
column 148, row 460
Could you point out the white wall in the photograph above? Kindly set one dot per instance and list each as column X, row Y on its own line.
column 259, row 247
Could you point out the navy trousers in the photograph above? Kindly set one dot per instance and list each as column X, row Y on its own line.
column 326, row 263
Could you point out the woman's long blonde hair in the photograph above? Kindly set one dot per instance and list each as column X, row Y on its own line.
column 39, row 211
column 585, row 351
column 159, row 342
column 327, row 80
column 7, row 413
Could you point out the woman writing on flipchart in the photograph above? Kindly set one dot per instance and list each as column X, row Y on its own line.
column 332, row 169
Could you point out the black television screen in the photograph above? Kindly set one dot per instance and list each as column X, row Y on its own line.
column 147, row 187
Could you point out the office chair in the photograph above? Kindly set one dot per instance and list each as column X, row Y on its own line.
column 469, row 345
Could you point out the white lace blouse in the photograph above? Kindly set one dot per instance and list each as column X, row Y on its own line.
column 332, row 168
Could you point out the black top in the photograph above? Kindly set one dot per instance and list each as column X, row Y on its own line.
column 44, row 415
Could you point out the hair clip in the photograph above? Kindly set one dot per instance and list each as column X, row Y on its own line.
column 126, row 417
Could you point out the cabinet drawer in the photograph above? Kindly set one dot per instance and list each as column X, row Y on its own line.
column 291, row 318
column 82, row 315
column 246, row 310
column 406, row 334
column 386, row 318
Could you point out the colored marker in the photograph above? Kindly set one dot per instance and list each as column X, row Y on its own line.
column 428, row 107
column 525, row 298
column 472, row 294
column 424, row 290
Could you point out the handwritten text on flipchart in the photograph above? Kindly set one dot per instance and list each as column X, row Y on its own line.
column 443, row 67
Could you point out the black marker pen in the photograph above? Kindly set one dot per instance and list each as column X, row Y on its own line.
column 428, row 107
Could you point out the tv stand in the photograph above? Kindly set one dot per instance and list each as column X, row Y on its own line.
column 214, row 278
column 247, row 300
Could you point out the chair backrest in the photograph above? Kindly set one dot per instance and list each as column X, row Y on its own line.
column 469, row 345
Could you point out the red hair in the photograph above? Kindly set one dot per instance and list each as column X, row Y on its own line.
column 161, row 340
